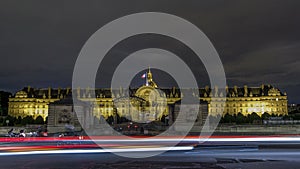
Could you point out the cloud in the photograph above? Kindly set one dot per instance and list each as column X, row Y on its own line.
column 258, row 41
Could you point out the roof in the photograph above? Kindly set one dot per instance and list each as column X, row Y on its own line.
column 263, row 90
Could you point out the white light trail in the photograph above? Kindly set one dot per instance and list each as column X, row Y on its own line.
column 240, row 139
column 113, row 150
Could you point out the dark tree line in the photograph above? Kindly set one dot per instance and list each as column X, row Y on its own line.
column 252, row 118
column 4, row 103
column 295, row 115
column 18, row 121
column 111, row 120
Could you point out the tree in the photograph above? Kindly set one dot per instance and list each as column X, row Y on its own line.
column 228, row 118
column 27, row 120
column 110, row 120
column 15, row 120
column 39, row 120
column 4, row 98
column 265, row 116
column 18, row 120
column 273, row 115
column 240, row 119
column 253, row 117
column 295, row 116
column 118, row 118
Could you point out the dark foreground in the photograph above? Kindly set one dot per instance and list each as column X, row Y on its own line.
column 223, row 152
column 243, row 157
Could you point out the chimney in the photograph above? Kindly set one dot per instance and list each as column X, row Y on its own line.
column 216, row 91
column 68, row 90
column 78, row 92
column 28, row 89
column 235, row 89
column 58, row 91
column 245, row 90
column 49, row 92
column 206, row 88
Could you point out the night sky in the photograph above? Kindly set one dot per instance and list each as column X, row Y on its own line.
column 258, row 41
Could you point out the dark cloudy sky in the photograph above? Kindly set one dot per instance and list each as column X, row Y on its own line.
column 258, row 41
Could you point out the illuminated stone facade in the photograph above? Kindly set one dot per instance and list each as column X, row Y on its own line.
column 34, row 102
column 153, row 102
column 246, row 100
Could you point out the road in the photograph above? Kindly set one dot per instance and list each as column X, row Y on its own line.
column 212, row 154
column 274, row 159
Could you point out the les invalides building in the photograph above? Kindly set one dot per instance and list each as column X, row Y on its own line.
column 245, row 100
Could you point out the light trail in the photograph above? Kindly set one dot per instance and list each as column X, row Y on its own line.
column 104, row 139
column 112, row 150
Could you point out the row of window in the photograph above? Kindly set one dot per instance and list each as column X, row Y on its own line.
column 38, row 101
column 26, row 106
column 245, row 99
column 246, row 105
column 241, row 110
column 30, row 111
